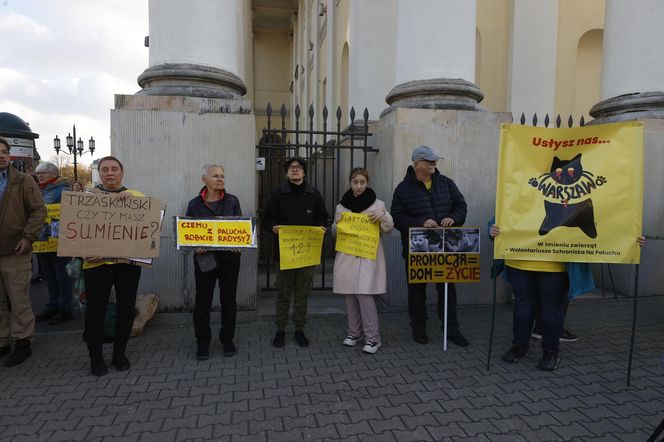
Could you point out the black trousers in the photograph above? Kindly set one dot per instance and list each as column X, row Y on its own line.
column 226, row 272
column 98, row 283
column 417, row 306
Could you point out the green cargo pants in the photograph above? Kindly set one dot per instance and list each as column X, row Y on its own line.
column 296, row 283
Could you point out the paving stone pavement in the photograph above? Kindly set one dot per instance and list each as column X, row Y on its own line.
column 405, row 392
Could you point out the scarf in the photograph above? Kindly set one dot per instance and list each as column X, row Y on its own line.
column 43, row 185
column 101, row 187
column 357, row 204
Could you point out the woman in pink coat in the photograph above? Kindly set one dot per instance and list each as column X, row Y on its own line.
column 360, row 278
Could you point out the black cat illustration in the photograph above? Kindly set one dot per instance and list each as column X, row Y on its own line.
column 566, row 182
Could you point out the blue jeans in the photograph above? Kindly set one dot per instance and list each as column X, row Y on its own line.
column 59, row 284
column 546, row 290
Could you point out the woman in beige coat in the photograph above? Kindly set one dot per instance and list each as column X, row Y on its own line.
column 360, row 278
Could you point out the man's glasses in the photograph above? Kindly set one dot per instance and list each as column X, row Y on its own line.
column 294, row 168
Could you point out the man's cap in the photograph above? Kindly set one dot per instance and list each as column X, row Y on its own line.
column 424, row 153
column 299, row 159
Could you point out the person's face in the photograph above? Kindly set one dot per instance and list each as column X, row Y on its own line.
column 111, row 174
column 4, row 157
column 214, row 179
column 77, row 187
column 424, row 167
column 295, row 172
column 44, row 176
column 359, row 184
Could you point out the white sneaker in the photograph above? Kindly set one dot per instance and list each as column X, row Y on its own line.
column 351, row 341
column 371, row 347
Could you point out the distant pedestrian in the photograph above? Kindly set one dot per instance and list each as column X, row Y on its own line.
column 360, row 279
column 22, row 215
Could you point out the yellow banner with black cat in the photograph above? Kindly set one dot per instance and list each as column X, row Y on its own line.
column 570, row 195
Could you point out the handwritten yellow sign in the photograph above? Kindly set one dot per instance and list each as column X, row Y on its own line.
column 48, row 237
column 299, row 246
column 357, row 235
column 215, row 233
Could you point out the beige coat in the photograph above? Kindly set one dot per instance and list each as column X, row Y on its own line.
column 355, row 275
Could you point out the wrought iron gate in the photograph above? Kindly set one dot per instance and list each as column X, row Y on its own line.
column 330, row 153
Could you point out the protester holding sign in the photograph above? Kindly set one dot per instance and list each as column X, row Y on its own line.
column 427, row 198
column 53, row 267
column 210, row 266
column 100, row 276
column 360, row 278
column 542, row 285
column 294, row 203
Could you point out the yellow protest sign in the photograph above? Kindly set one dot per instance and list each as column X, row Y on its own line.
column 299, row 246
column 48, row 237
column 570, row 194
column 357, row 235
column 215, row 232
column 443, row 255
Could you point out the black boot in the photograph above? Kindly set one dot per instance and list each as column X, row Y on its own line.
column 22, row 351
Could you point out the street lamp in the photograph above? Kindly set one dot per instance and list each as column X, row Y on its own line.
column 76, row 150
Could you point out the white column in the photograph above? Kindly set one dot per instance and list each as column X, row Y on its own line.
column 371, row 55
column 532, row 63
column 632, row 65
column 435, row 53
column 195, row 49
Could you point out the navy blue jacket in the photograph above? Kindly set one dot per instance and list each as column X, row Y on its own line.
column 230, row 206
column 412, row 203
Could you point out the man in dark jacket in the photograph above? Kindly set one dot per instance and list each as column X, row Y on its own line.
column 427, row 198
column 294, row 203
column 22, row 215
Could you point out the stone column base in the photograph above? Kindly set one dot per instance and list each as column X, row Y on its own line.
column 436, row 93
column 190, row 80
column 639, row 105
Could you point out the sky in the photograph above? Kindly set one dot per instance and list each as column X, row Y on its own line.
column 62, row 61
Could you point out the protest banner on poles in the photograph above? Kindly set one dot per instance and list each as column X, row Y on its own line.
column 357, row 235
column 109, row 226
column 300, row 246
column 570, row 194
column 215, row 232
column 48, row 237
column 444, row 255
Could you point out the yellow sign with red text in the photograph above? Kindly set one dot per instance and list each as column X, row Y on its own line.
column 570, row 195
column 215, row 233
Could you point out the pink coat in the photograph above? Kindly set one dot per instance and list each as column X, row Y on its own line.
column 355, row 275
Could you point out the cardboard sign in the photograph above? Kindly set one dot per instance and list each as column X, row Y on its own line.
column 444, row 255
column 215, row 232
column 48, row 237
column 570, row 195
column 106, row 225
column 357, row 235
column 300, row 246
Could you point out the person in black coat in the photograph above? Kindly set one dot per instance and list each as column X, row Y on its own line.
column 294, row 203
column 210, row 266
column 427, row 198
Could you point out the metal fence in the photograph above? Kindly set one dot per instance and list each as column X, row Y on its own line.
column 331, row 152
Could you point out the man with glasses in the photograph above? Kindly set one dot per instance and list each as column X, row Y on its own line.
column 427, row 198
column 294, row 203
column 22, row 215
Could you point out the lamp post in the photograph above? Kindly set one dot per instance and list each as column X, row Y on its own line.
column 76, row 150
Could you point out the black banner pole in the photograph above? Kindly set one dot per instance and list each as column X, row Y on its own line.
column 631, row 342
